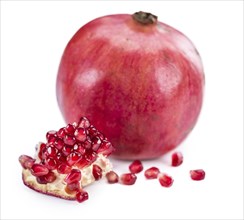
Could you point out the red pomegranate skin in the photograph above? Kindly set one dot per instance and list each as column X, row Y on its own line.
column 140, row 84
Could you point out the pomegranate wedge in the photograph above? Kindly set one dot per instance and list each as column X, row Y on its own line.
column 70, row 159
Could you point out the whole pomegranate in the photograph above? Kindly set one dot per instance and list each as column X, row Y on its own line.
column 139, row 80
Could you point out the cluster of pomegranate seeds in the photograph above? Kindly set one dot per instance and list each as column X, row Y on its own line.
column 67, row 151
column 197, row 174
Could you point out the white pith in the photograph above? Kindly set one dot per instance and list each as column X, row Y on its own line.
column 57, row 188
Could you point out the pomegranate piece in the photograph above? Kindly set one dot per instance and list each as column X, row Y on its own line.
column 136, row 166
column 81, row 196
column 112, row 177
column 151, row 173
column 71, row 158
column 96, row 172
column 155, row 69
column 128, row 178
column 165, row 180
column 176, row 159
column 197, row 175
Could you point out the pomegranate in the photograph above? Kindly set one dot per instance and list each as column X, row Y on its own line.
column 139, row 80
column 72, row 157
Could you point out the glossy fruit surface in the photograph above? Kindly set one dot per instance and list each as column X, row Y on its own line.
column 137, row 79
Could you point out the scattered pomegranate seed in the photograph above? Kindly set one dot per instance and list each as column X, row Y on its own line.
column 197, row 174
column 39, row 170
column 73, row 176
column 26, row 161
column 176, row 159
column 128, row 178
column 165, row 180
column 136, row 166
column 81, row 196
column 112, row 177
column 96, row 172
column 152, row 173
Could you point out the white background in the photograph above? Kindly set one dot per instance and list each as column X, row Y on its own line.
column 33, row 37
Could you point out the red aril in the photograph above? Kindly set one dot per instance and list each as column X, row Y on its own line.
column 165, row 180
column 112, row 177
column 128, row 178
column 176, row 159
column 139, row 80
column 136, row 166
column 67, row 163
column 197, row 175
column 151, row 173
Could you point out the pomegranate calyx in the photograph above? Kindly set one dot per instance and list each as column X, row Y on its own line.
column 145, row 18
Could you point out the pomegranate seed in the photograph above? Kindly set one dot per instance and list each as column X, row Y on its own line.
column 66, row 150
column 51, row 136
column 96, row 172
column 128, row 178
column 136, row 166
column 81, row 196
column 176, row 159
column 39, row 170
column 79, row 148
column 96, row 141
column 80, row 134
column 197, row 174
column 51, row 151
column 90, row 157
column 59, row 144
column 84, row 123
column 73, row 176
column 51, row 163
column 26, row 161
column 152, row 173
column 63, row 169
column 61, row 158
column 87, row 144
column 165, row 180
column 61, row 133
column 112, row 177
column 41, row 149
column 69, row 129
column 69, row 140
column 105, row 148
column 73, row 158
column 49, row 178
column 92, row 131
column 73, row 187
